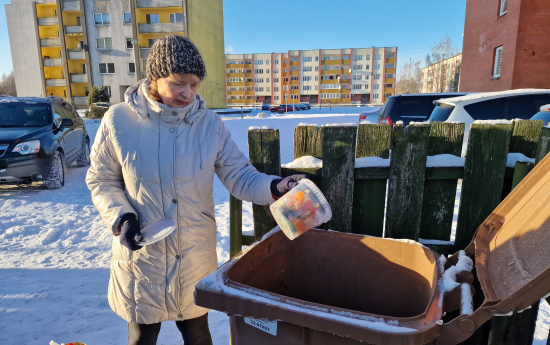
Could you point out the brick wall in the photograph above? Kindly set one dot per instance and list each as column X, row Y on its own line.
column 524, row 34
column 532, row 63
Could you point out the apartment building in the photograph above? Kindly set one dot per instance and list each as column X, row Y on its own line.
column 506, row 45
column 443, row 76
column 63, row 47
column 354, row 75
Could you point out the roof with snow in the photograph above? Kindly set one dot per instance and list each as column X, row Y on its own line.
column 489, row 95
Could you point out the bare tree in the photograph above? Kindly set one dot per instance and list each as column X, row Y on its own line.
column 440, row 73
column 7, row 84
column 408, row 78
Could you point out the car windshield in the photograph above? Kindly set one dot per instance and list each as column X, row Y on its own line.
column 20, row 114
column 441, row 112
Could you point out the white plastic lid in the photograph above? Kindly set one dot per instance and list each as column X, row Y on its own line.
column 157, row 231
column 321, row 197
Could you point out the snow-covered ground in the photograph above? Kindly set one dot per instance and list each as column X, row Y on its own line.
column 55, row 251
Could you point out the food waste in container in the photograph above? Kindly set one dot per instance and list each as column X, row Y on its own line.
column 327, row 287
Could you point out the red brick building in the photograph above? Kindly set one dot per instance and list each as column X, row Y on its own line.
column 506, row 45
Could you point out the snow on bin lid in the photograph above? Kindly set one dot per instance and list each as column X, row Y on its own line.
column 511, row 246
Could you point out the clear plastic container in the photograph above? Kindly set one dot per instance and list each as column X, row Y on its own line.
column 301, row 209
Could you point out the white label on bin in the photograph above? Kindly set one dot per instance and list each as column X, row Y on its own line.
column 266, row 326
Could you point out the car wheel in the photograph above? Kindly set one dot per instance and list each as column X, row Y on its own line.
column 56, row 176
column 84, row 158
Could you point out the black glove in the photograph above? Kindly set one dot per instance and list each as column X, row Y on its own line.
column 280, row 186
column 130, row 232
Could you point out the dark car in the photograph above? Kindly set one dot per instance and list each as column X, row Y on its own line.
column 411, row 107
column 39, row 139
column 283, row 107
column 306, row 105
column 265, row 106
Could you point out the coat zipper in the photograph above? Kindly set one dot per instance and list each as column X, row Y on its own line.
column 208, row 215
column 177, row 217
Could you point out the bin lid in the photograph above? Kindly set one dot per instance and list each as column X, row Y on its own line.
column 511, row 245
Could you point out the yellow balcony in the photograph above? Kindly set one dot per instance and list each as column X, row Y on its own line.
column 390, row 60
column 390, row 70
column 249, row 75
column 389, row 90
column 345, row 62
column 295, row 73
column 390, row 80
column 236, row 84
column 234, row 101
column 240, row 75
column 330, row 91
column 294, row 63
column 249, row 93
column 234, row 65
column 249, row 83
column 330, row 81
column 331, row 71
column 235, row 92
column 294, row 82
column 248, row 65
column 344, row 81
column 330, row 62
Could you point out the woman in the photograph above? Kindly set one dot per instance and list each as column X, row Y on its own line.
column 154, row 157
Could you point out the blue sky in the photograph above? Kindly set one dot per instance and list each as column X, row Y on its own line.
column 262, row 26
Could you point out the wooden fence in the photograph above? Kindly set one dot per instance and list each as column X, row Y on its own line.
column 418, row 201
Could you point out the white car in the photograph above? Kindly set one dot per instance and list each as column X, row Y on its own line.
column 504, row 105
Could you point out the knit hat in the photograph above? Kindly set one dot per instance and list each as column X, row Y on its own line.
column 173, row 54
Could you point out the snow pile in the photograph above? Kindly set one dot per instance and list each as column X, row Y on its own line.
column 308, row 124
column 466, row 303
column 412, row 123
column 304, row 162
column 365, row 122
column 492, row 122
column 366, row 162
column 445, row 160
column 251, row 128
column 448, row 282
column 517, row 157
column 262, row 115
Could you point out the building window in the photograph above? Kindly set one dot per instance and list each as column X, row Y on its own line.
column 357, row 66
column 267, row 89
column 375, row 96
column 306, row 88
column 267, row 62
column 152, row 18
column 106, row 68
column 325, row 68
column 276, row 98
column 498, row 62
column 389, row 86
column 329, row 86
column 127, row 18
column 358, row 57
column 307, row 69
column 129, row 44
column 503, row 7
column 346, row 76
column 367, row 58
column 259, row 89
column 276, row 62
column 267, row 70
column 345, row 95
column 258, row 71
column 390, row 55
column 316, row 87
column 233, row 80
column 357, row 87
column 176, row 17
column 248, row 62
column 101, row 19
column 259, row 62
column 293, row 68
column 294, row 78
column 267, row 80
column 377, row 66
column 306, row 78
column 357, row 77
column 103, row 43
column 275, row 80
column 259, row 80
column 345, row 57
column 376, row 86
column 329, row 95
column 275, row 70
column 377, row 56
column 387, row 95
column 376, row 76
column 316, row 68
column 390, row 65
column 294, row 87
column 316, row 58
column 131, row 68
column 151, row 41
column 276, row 89
column 306, row 59
column 316, row 78
column 390, row 75
column 294, row 59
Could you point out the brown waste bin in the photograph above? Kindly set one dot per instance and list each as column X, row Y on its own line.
column 328, row 287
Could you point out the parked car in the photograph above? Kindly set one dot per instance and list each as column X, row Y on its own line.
column 370, row 115
column 103, row 105
column 411, row 107
column 302, row 106
column 265, row 106
column 306, row 104
column 284, row 107
column 505, row 105
column 543, row 114
column 39, row 139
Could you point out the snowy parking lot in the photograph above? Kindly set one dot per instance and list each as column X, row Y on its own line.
column 55, row 250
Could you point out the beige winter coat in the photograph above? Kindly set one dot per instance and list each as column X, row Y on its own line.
column 159, row 162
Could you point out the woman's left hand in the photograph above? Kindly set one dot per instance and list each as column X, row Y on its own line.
column 281, row 186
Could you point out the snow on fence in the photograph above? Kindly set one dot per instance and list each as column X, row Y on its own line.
column 417, row 198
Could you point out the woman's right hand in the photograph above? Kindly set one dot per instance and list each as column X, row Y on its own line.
column 130, row 232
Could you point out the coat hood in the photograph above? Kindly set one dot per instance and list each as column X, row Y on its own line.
column 138, row 98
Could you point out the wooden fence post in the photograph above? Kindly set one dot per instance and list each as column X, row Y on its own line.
column 235, row 226
column 308, row 141
column 543, row 145
column 406, row 182
column 439, row 195
column 264, row 153
column 338, row 174
column 369, row 196
column 483, row 178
